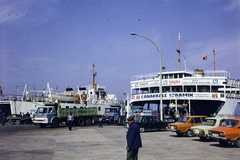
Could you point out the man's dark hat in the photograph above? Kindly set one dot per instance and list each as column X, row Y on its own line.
column 130, row 118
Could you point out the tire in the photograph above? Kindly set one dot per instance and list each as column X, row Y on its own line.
column 189, row 133
column 11, row 122
column 88, row 121
column 142, row 129
column 55, row 123
column 81, row 121
column 179, row 134
column 237, row 143
column 223, row 143
column 42, row 125
column 18, row 122
column 26, row 122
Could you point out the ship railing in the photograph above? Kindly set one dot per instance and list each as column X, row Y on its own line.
column 10, row 97
column 144, row 76
column 207, row 73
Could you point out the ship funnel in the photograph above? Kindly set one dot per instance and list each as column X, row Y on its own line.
column 198, row 73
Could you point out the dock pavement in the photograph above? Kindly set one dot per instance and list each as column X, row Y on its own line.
column 29, row 142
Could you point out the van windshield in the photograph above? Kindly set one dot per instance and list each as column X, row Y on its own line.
column 42, row 110
column 183, row 119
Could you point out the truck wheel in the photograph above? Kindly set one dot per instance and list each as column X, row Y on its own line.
column 237, row 143
column 88, row 121
column 189, row 133
column 18, row 122
column 55, row 123
column 142, row 129
column 42, row 125
column 11, row 122
column 81, row 122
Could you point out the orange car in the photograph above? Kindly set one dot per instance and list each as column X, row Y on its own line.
column 183, row 125
column 229, row 131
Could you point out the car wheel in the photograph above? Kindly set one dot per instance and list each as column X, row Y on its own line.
column 142, row 129
column 189, row 133
column 237, row 143
column 223, row 143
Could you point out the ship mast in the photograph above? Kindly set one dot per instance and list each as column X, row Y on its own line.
column 178, row 49
column 214, row 54
column 94, row 75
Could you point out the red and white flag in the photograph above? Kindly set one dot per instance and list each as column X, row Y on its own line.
column 205, row 58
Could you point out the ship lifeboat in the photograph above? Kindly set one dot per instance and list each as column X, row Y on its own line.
column 68, row 96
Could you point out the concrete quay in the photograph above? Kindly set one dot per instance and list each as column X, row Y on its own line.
column 31, row 142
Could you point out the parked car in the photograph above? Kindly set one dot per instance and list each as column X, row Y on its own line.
column 148, row 122
column 209, row 123
column 228, row 131
column 183, row 125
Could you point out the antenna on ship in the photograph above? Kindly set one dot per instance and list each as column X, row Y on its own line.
column 94, row 75
column 178, row 49
column 214, row 54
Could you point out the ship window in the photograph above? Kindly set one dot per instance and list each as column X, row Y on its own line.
column 175, row 76
column 99, row 108
column 180, row 75
column 170, row 76
column 67, row 106
column 74, row 107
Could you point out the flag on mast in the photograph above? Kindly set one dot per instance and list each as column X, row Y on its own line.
column 205, row 58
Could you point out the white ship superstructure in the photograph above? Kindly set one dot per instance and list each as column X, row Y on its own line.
column 201, row 92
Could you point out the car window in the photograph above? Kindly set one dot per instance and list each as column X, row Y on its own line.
column 221, row 121
column 149, row 119
column 155, row 119
column 209, row 122
column 230, row 123
column 183, row 119
column 196, row 120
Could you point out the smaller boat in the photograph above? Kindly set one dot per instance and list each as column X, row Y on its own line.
column 67, row 96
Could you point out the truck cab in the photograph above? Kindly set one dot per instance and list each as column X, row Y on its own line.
column 111, row 114
column 46, row 115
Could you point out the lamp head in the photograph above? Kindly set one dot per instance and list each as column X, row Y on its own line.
column 133, row 33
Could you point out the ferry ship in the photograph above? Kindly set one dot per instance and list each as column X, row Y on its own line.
column 88, row 96
column 197, row 92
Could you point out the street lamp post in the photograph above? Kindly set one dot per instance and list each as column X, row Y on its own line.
column 160, row 76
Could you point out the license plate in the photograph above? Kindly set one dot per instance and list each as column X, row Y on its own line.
column 196, row 131
column 215, row 135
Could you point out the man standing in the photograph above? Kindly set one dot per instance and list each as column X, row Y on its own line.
column 70, row 121
column 3, row 118
column 100, row 122
column 133, row 140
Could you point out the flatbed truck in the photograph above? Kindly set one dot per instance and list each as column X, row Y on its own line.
column 53, row 114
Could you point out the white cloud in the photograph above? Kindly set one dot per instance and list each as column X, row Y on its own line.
column 27, row 11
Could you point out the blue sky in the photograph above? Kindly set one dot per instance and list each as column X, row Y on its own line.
column 57, row 41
